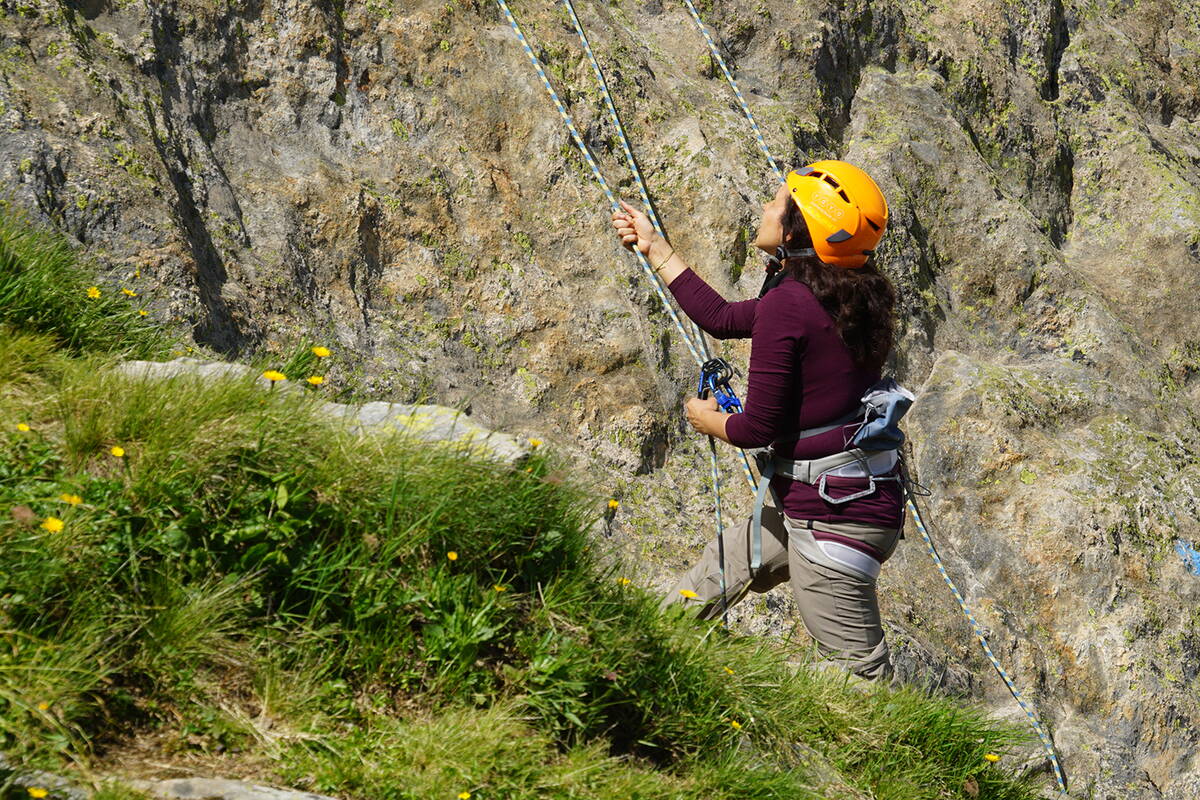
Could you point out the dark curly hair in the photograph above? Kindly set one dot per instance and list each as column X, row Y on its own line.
column 861, row 301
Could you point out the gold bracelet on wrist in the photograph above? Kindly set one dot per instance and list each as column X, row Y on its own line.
column 665, row 260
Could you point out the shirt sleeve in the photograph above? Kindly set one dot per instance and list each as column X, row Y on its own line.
column 714, row 314
column 773, row 385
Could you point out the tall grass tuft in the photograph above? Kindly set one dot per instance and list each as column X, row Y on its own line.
column 44, row 289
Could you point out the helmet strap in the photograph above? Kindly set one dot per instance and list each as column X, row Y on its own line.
column 782, row 253
column 775, row 266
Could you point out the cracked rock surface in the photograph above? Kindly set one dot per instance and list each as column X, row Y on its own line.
column 390, row 178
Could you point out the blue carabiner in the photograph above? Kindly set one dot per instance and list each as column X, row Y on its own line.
column 714, row 380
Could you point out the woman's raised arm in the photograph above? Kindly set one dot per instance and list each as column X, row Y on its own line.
column 707, row 308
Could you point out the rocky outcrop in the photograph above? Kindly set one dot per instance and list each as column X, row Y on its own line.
column 429, row 423
column 218, row 789
column 392, row 177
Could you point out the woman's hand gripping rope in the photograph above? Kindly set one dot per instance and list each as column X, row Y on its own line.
column 637, row 233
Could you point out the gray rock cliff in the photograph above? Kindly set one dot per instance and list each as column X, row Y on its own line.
column 391, row 178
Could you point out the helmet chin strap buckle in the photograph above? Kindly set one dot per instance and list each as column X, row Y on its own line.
column 775, row 262
column 775, row 265
column 782, row 253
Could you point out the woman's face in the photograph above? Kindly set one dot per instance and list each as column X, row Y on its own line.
column 770, row 230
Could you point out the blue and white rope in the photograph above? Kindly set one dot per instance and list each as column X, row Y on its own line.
column 1047, row 743
column 615, row 118
column 716, row 54
column 591, row 161
column 644, row 191
column 987, row 649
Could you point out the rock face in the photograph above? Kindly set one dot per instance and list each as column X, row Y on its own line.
column 391, row 177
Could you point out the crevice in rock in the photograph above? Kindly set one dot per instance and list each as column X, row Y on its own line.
column 89, row 9
column 365, row 273
column 842, row 56
column 332, row 118
column 654, row 449
column 1055, row 46
column 220, row 329
column 1063, row 178
column 185, row 100
column 919, row 307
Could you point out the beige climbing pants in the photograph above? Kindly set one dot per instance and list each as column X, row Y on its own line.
column 839, row 606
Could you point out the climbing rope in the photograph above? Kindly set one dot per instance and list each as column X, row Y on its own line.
column 987, row 649
column 716, row 54
column 695, row 347
column 644, row 191
column 615, row 118
column 1047, row 743
column 591, row 162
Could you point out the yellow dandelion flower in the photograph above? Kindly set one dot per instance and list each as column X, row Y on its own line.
column 117, row 451
column 93, row 292
column 137, row 273
column 23, row 428
column 733, row 723
column 992, row 757
column 624, row 581
column 320, row 352
column 316, row 380
column 500, row 588
column 453, row 556
column 38, row 792
column 274, row 375
column 71, row 499
column 142, row 312
column 129, row 292
column 612, row 505
column 728, row 670
column 464, row 796
column 52, row 524
column 535, row 443
column 689, row 594
column 43, row 706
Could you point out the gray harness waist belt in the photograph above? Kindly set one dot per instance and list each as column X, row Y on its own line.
column 808, row 471
column 814, row 471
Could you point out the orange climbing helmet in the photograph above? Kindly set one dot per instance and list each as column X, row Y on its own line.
column 844, row 209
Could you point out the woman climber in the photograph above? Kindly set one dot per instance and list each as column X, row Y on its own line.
column 820, row 331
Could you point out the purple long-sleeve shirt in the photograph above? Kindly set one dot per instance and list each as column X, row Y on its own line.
column 801, row 376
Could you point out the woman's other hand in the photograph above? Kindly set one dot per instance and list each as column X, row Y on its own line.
column 634, row 228
column 699, row 414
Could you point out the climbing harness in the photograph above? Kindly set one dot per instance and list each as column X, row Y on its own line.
column 873, row 456
column 910, row 494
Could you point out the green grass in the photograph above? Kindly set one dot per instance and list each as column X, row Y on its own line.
column 43, row 289
column 249, row 578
